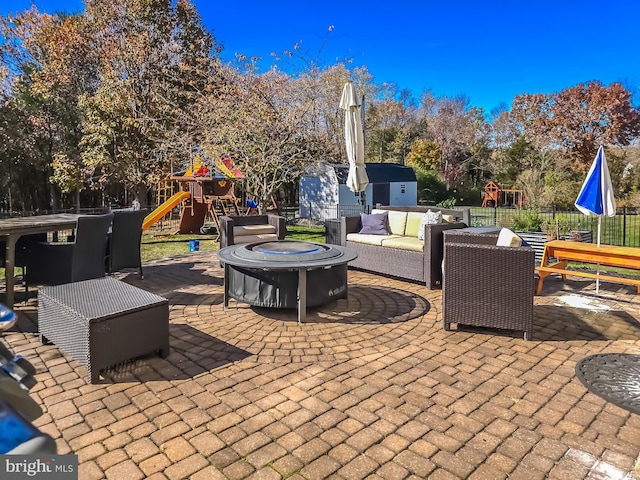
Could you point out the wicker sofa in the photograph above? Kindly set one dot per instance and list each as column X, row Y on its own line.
column 395, row 256
column 486, row 285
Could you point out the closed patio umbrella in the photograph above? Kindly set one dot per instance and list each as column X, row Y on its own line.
column 596, row 196
column 357, row 180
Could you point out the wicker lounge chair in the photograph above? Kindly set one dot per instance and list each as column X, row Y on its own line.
column 236, row 229
column 123, row 249
column 83, row 259
column 485, row 285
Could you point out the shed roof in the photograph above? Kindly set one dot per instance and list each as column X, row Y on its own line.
column 380, row 173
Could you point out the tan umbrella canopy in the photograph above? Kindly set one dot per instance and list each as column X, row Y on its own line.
column 357, row 179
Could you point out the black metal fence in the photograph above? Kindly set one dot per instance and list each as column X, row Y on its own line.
column 623, row 229
column 321, row 212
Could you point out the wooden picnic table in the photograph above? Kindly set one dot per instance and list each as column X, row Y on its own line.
column 566, row 251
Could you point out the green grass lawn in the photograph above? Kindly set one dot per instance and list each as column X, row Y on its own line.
column 166, row 246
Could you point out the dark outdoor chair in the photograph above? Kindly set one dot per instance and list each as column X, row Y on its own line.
column 236, row 229
column 83, row 259
column 21, row 248
column 123, row 249
column 485, row 285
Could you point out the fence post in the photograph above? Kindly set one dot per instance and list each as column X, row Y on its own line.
column 495, row 215
column 553, row 212
column 624, row 226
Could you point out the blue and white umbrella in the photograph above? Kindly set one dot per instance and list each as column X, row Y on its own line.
column 596, row 196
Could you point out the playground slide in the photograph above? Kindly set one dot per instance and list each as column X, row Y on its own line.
column 163, row 209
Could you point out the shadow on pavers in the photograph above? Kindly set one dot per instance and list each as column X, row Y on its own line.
column 562, row 323
column 364, row 305
column 192, row 352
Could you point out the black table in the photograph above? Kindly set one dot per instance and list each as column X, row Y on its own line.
column 14, row 228
column 274, row 274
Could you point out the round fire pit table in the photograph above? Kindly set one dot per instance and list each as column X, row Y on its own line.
column 285, row 274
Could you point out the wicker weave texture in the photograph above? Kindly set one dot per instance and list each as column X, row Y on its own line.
column 488, row 286
column 102, row 322
column 422, row 266
column 464, row 236
column 389, row 261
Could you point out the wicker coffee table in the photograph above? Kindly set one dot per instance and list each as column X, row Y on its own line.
column 102, row 322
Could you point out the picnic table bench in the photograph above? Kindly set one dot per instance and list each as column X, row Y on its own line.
column 567, row 251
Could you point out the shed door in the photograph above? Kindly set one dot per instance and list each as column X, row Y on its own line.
column 381, row 194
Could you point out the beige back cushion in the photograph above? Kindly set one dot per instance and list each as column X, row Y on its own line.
column 253, row 230
column 414, row 219
column 397, row 220
column 507, row 238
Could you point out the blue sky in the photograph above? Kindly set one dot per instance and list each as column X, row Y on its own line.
column 489, row 50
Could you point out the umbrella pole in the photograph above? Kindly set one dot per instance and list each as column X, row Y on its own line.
column 598, row 267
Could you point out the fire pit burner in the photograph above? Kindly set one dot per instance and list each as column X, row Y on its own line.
column 288, row 248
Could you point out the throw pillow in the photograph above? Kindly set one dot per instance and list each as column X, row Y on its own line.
column 507, row 238
column 447, row 218
column 375, row 224
column 429, row 218
column 397, row 220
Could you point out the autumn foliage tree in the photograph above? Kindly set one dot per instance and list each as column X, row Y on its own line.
column 155, row 55
column 579, row 119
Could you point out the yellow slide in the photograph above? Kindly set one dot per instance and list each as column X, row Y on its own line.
column 163, row 209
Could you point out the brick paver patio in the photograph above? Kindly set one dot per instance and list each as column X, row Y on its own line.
column 369, row 387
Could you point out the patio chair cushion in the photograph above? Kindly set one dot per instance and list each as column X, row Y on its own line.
column 448, row 218
column 414, row 221
column 397, row 220
column 253, row 230
column 429, row 218
column 404, row 243
column 263, row 237
column 374, row 224
column 506, row 238
column 369, row 239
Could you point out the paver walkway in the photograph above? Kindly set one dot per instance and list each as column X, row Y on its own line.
column 369, row 387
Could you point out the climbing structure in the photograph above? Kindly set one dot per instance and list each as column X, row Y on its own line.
column 208, row 195
column 204, row 189
column 495, row 196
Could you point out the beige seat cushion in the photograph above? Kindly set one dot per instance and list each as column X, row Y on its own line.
column 397, row 220
column 404, row 243
column 253, row 230
column 368, row 238
column 263, row 237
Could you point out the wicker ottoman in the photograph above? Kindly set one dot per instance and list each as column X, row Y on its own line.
column 102, row 322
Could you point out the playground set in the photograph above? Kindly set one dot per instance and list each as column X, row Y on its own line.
column 495, row 196
column 204, row 189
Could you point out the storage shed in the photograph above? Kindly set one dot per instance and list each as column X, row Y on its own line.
column 324, row 193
